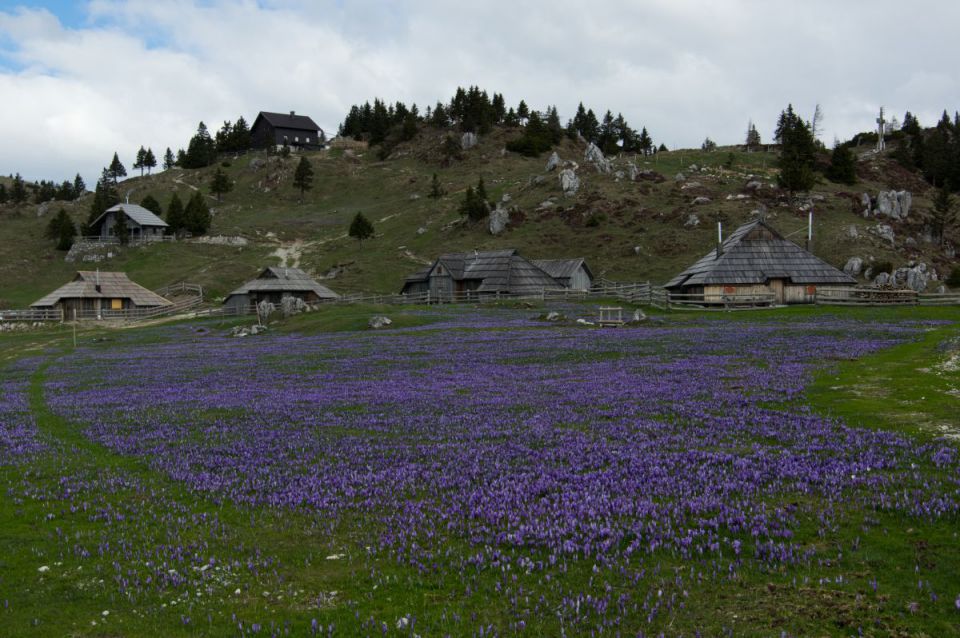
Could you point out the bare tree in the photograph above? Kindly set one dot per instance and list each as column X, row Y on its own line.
column 816, row 125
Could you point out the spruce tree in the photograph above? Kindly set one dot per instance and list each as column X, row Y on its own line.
column 168, row 160
column 843, row 167
column 197, row 214
column 3, row 194
column 523, row 111
column 303, row 176
column 176, row 221
column 220, row 184
column 360, row 228
column 943, row 215
column 151, row 204
column 67, row 232
column 141, row 160
column 201, row 151
column 436, row 191
column 116, row 169
column 79, row 187
column 797, row 152
column 150, row 160
column 120, row 229
column 104, row 196
column 18, row 191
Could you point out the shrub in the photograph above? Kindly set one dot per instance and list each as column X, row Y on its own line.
column 882, row 266
column 954, row 279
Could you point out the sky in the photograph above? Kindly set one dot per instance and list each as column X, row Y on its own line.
column 82, row 80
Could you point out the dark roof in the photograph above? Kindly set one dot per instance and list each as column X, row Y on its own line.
column 497, row 270
column 754, row 254
column 113, row 285
column 138, row 214
column 562, row 268
column 278, row 279
column 288, row 120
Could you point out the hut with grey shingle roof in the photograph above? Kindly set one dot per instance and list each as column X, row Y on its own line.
column 570, row 273
column 275, row 283
column 142, row 225
column 479, row 274
column 757, row 260
column 95, row 293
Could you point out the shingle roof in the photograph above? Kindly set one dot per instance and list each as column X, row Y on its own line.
column 497, row 270
column 138, row 214
column 278, row 279
column 561, row 268
column 113, row 285
column 754, row 254
column 286, row 120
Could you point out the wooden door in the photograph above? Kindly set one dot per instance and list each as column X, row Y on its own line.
column 777, row 286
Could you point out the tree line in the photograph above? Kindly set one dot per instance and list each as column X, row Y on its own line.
column 473, row 110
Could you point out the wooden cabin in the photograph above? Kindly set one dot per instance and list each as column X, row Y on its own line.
column 569, row 273
column 95, row 293
column 756, row 260
column 282, row 129
column 275, row 283
column 142, row 224
column 484, row 273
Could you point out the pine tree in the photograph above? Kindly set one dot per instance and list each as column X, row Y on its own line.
column 61, row 229
column 104, row 196
column 644, row 142
column 662, row 148
column 120, row 229
column 176, row 220
column 150, row 161
column 3, row 194
column 843, row 167
column 708, row 145
column 797, row 152
column 436, row 190
column 151, row 204
column 221, row 184
column 116, row 169
column 201, row 151
column 303, row 176
column 753, row 137
column 18, row 191
column 168, row 160
column 523, row 111
column 141, row 160
column 360, row 228
column 474, row 205
column 196, row 215
column 79, row 187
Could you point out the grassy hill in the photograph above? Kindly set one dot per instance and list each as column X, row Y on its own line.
column 628, row 230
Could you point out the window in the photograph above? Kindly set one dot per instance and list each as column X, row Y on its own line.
column 307, row 140
column 296, row 139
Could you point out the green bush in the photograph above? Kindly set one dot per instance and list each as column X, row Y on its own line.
column 882, row 266
column 954, row 279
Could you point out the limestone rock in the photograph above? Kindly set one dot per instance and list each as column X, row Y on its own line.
column 701, row 200
column 632, row 171
column 894, row 204
column 553, row 315
column 569, row 182
column 867, row 204
column 468, row 141
column 595, row 156
column 882, row 279
column 379, row 321
column 852, row 232
column 884, row 231
column 854, row 266
column 257, row 163
column 499, row 218
column 421, row 230
column 690, row 185
column 692, row 221
column 638, row 316
column 265, row 309
column 753, row 185
column 680, row 177
column 553, row 163
column 43, row 209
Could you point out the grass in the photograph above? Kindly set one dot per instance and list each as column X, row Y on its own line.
column 292, row 579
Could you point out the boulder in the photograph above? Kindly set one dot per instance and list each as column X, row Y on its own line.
column 553, row 163
column 584, row 322
column 619, row 175
column 638, row 316
column 595, row 156
column 852, row 232
column 265, row 309
column 421, row 230
column 535, row 180
column 637, row 250
column 894, row 204
column 651, row 176
column 700, row 200
column 569, row 182
column 632, row 171
column 43, row 209
column 854, row 266
column 379, row 321
column 882, row 279
column 866, row 203
column 288, row 306
column 553, row 315
column 690, row 184
column 753, row 185
column 499, row 218
column 257, row 163
column 692, row 221
column 680, row 177
column 884, row 232
column 468, row 141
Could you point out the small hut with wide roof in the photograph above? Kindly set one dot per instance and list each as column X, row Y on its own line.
column 757, row 260
column 95, row 293
column 275, row 283
column 480, row 274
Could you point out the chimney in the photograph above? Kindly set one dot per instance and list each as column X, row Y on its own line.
column 809, row 229
column 292, row 113
column 719, row 239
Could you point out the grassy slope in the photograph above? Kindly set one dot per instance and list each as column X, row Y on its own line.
column 265, row 208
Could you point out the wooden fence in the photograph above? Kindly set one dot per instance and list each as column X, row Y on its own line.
column 31, row 315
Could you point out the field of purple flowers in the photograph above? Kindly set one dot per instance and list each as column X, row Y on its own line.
column 483, row 477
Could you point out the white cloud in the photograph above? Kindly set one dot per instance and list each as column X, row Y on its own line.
column 144, row 72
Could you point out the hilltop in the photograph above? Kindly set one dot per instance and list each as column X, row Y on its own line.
column 630, row 230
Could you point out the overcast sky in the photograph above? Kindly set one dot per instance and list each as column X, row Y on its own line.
column 80, row 80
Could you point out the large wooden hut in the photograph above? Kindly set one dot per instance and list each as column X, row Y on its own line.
column 98, row 294
column 275, row 283
column 479, row 274
column 757, row 260
column 142, row 224
column 569, row 273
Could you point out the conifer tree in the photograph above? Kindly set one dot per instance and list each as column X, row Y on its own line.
column 797, row 152
column 150, row 160
column 843, row 167
column 79, row 186
column 303, row 176
column 220, row 184
column 151, row 204
column 141, row 160
column 176, row 221
column 360, row 228
column 18, row 191
column 196, row 214
column 943, row 216
column 168, row 160
column 116, row 169
column 120, row 228
column 436, row 190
